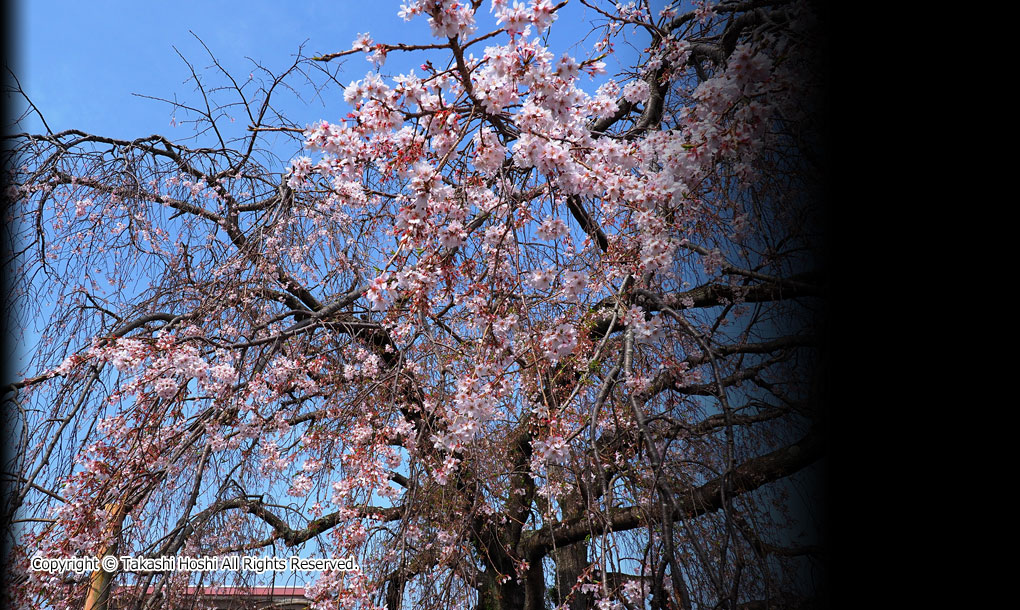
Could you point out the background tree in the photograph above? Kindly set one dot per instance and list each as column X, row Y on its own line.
column 509, row 339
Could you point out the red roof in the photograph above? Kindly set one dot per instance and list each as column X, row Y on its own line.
column 281, row 598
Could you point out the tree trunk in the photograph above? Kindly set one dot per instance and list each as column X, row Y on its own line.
column 511, row 595
column 495, row 596
column 534, row 592
column 570, row 563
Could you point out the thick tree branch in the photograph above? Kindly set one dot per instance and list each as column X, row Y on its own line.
column 691, row 502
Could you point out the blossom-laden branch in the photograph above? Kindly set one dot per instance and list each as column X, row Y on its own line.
column 506, row 328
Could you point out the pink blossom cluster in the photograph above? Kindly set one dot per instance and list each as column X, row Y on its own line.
column 559, row 342
column 636, row 92
column 552, row 449
column 123, row 354
column 474, row 404
column 643, row 325
column 447, row 18
column 574, row 285
column 518, row 18
column 489, row 152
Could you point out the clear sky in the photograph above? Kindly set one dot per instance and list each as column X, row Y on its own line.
column 80, row 62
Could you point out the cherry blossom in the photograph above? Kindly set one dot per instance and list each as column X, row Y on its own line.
column 504, row 327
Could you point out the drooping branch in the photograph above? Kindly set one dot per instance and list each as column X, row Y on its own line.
column 281, row 529
column 691, row 502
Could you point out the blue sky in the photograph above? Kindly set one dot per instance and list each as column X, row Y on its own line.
column 80, row 62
